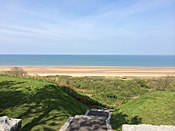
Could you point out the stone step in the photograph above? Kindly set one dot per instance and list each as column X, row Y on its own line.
column 93, row 120
column 87, row 123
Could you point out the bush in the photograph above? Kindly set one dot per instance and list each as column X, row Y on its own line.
column 16, row 71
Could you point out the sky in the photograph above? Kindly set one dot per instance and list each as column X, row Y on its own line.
column 111, row 27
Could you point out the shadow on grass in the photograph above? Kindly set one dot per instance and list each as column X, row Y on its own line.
column 8, row 96
column 51, row 106
column 118, row 119
column 82, row 98
column 7, row 84
column 42, row 108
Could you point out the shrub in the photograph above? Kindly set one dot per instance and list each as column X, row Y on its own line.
column 16, row 71
column 162, row 84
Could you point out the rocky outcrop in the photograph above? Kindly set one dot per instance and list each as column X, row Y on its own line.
column 9, row 124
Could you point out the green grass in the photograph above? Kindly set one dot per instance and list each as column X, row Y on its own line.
column 135, row 101
column 40, row 104
column 157, row 108
column 111, row 93
column 45, row 103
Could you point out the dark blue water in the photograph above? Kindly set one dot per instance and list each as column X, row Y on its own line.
column 87, row 60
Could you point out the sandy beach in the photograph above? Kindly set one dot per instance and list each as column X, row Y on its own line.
column 96, row 70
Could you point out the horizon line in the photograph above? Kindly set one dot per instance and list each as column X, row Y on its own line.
column 94, row 54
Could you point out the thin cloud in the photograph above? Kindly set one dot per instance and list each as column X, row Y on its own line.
column 83, row 23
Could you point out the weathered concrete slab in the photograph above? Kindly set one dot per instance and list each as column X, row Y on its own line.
column 9, row 124
column 93, row 120
column 87, row 123
column 147, row 127
column 104, row 113
column 98, row 113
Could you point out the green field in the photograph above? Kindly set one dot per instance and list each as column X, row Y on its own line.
column 44, row 103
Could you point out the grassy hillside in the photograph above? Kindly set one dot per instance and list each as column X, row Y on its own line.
column 135, row 101
column 157, row 108
column 40, row 104
column 46, row 102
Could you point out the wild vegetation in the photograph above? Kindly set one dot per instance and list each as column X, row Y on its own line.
column 16, row 71
column 44, row 103
column 134, row 101
column 112, row 92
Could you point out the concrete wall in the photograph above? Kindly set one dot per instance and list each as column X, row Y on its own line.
column 145, row 127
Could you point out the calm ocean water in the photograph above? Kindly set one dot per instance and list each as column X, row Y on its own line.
column 87, row 60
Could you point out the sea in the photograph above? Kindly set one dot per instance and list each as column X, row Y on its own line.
column 88, row 60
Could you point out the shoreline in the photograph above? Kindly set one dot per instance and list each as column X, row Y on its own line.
column 118, row 71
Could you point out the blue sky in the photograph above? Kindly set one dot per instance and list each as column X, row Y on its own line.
column 125, row 27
